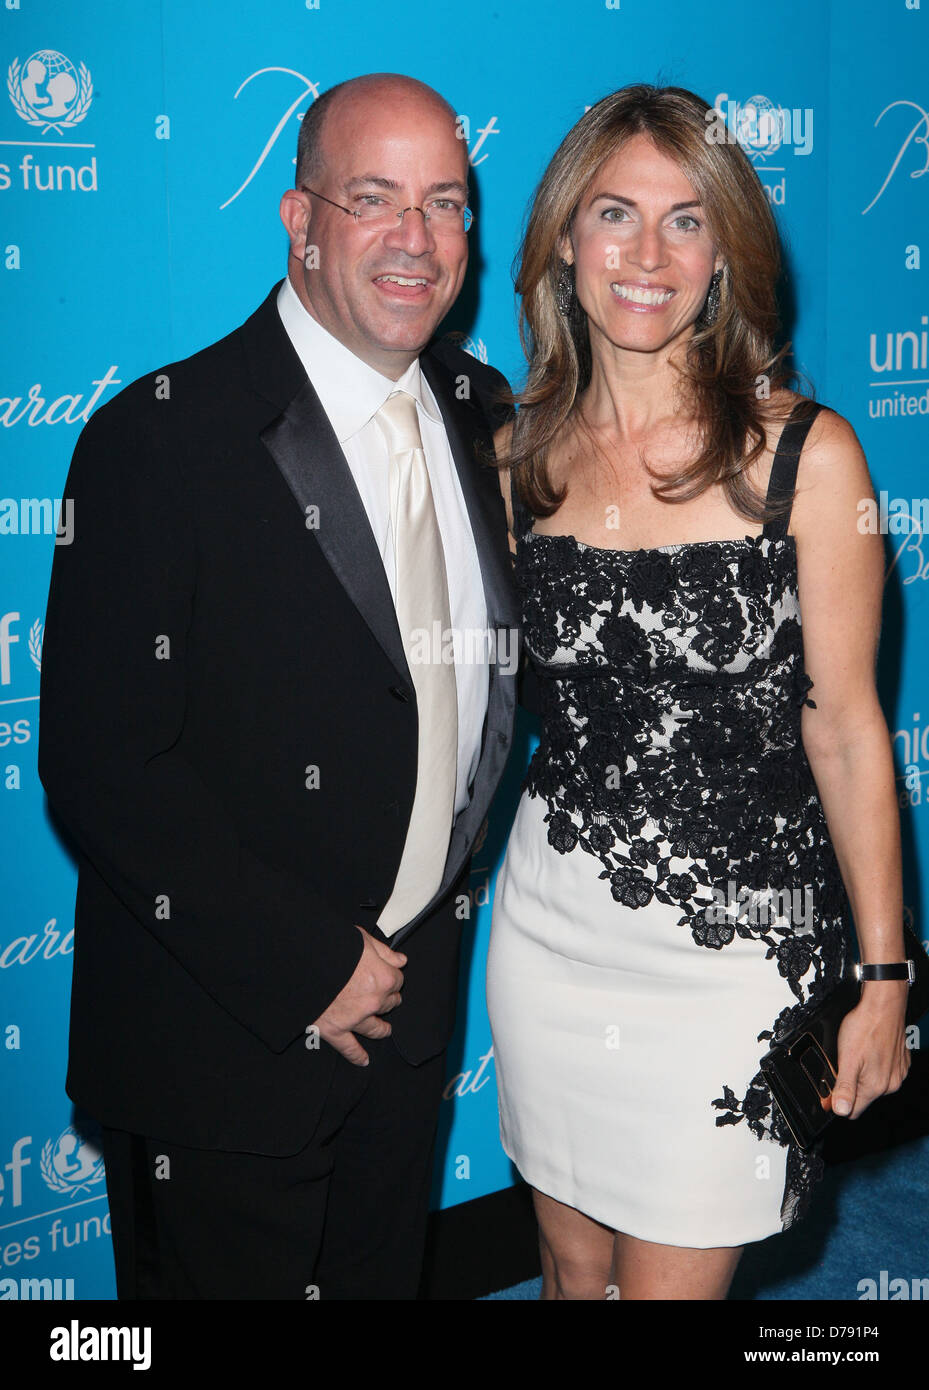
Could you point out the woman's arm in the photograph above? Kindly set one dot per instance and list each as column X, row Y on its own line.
column 841, row 579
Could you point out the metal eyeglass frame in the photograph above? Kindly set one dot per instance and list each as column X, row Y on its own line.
column 467, row 214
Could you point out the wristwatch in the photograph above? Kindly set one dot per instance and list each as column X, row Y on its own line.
column 902, row 970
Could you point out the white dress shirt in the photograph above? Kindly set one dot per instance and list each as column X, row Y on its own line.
column 351, row 393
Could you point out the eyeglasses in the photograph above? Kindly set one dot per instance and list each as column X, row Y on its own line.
column 444, row 216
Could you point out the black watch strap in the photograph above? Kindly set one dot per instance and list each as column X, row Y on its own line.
column 902, row 970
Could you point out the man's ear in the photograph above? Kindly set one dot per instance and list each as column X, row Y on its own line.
column 296, row 211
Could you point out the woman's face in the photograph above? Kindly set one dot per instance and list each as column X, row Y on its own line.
column 643, row 252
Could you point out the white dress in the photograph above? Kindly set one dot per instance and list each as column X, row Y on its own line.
column 629, row 1001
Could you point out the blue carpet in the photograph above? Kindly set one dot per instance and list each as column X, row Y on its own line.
column 867, row 1216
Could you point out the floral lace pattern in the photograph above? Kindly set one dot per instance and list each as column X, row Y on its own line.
column 672, row 685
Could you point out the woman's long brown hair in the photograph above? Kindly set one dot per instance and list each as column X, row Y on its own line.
column 731, row 366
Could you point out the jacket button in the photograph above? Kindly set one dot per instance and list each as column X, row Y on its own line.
column 392, row 808
column 399, row 694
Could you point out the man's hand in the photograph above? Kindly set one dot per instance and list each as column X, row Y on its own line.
column 374, row 989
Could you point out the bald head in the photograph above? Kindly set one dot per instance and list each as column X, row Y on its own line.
column 370, row 93
column 387, row 145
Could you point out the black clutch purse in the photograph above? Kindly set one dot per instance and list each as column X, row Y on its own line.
column 801, row 1067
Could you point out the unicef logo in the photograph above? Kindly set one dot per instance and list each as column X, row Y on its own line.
column 475, row 347
column 759, row 127
column 35, row 643
column 72, row 1163
column 48, row 91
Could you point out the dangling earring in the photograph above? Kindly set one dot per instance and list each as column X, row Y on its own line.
column 565, row 293
column 711, row 307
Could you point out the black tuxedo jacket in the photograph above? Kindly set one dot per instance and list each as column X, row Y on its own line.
column 205, row 649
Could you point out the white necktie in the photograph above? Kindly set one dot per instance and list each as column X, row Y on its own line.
column 422, row 605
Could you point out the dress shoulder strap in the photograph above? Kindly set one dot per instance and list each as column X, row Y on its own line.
column 783, row 479
column 522, row 517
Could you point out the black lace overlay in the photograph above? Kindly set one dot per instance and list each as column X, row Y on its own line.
column 671, row 685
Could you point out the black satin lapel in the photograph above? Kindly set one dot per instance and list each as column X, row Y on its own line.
column 465, row 427
column 304, row 447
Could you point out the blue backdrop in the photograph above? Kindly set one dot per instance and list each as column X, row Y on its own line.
column 143, row 150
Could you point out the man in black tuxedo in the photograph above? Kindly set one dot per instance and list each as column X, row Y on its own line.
column 272, row 797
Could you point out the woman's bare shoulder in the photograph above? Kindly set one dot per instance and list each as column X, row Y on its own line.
column 828, row 427
column 833, row 480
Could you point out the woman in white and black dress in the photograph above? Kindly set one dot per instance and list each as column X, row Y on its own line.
column 711, row 778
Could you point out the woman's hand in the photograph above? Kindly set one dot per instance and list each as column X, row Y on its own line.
column 873, row 1056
